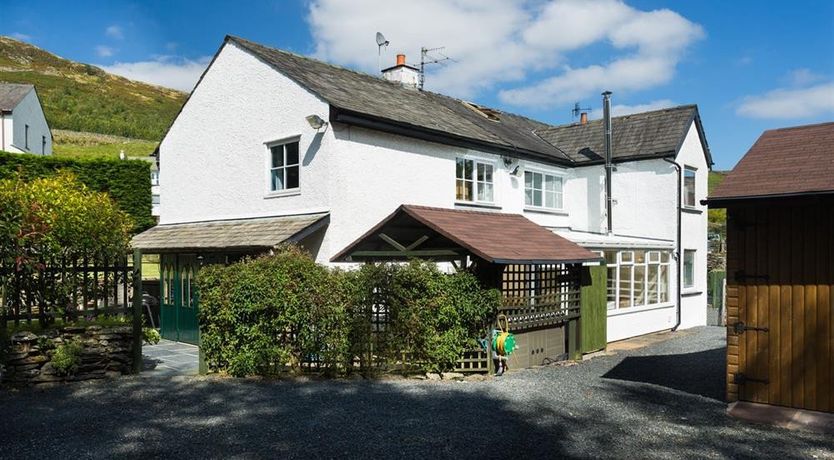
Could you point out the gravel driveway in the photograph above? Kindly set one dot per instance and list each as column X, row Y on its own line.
column 663, row 401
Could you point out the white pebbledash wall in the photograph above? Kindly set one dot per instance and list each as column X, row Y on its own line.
column 27, row 112
column 215, row 163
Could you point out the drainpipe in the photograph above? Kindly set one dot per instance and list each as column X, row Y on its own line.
column 678, row 249
column 609, row 163
column 2, row 130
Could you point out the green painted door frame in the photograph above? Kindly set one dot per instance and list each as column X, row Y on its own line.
column 594, row 308
column 179, row 300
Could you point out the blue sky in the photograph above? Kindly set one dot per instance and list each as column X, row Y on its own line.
column 747, row 67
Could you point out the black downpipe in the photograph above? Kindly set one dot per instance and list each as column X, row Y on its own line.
column 678, row 250
column 609, row 163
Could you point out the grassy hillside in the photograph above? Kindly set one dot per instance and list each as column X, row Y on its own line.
column 71, row 144
column 717, row 217
column 81, row 97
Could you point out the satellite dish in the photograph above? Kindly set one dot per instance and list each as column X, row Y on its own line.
column 380, row 39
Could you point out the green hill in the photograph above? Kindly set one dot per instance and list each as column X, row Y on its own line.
column 82, row 97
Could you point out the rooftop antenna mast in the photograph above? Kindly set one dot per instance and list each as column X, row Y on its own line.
column 427, row 57
column 380, row 42
column 577, row 110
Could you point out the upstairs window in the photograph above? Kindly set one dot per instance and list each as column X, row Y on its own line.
column 542, row 190
column 284, row 167
column 689, row 186
column 474, row 181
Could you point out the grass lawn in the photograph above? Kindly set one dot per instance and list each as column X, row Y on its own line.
column 72, row 144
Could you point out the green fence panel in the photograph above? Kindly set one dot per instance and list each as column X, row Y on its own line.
column 593, row 308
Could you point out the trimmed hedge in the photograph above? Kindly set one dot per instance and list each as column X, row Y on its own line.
column 283, row 312
column 127, row 182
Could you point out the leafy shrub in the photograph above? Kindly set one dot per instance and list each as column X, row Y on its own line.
column 67, row 357
column 127, row 182
column 261, row 315
column 151, row 336
column 52, row 219
column 278, row 312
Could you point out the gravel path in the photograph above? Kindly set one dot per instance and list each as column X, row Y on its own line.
column 663, row 401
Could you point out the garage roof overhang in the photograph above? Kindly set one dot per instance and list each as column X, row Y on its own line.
column 449, row 234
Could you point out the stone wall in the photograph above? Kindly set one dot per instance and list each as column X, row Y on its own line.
column 105, row 352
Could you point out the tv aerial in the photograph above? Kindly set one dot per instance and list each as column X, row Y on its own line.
column 431, row 56
column 380, row 42
column 577, row 110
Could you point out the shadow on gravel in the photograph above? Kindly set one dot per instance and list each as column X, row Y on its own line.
column 204, row 418
column 701, row 373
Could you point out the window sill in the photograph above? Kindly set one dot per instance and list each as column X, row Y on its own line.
column 555, row 212
column 691, row 293
column 475, row 204
column 282, row 193
column 625, row 311
column 690, row 210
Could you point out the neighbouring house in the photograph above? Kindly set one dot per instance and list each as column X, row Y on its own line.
column 23, row 126
column 273, row 147
column 780, row 269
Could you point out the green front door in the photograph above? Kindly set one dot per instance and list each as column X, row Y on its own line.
column 178, row 303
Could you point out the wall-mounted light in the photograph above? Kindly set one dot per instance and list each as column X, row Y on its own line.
column 315, row 121
column 515, row 170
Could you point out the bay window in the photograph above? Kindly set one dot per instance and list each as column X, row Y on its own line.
column 474, row 181
column 542, row 190
column 637, row 278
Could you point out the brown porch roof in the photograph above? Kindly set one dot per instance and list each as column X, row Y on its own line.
column 495, row 237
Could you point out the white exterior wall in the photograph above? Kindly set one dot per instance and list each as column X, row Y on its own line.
column 694, row 224
column 214, row 165
column 27, row 112
column 214, row 160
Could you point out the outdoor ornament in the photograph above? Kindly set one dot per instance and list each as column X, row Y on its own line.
column 503, row 343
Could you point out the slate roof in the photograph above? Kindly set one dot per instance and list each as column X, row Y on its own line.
column 787, row 161
column 11, row 94
column 266, row 232
column 495, row 237
column 656, row 133
column 375, row 97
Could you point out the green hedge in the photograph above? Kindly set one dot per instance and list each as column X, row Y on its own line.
column 127, row 182
column 282, row 312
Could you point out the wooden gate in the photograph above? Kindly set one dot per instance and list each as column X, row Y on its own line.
column 780, row 278
column 179, row 300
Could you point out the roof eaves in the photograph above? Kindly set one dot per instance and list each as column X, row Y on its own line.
column 723, row 201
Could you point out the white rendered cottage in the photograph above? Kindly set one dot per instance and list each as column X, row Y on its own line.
column 23, row 127
column 272, row 146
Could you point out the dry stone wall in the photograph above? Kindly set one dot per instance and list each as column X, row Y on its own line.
column 102, row 352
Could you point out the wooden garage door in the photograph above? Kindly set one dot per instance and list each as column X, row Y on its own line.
column 780, row 276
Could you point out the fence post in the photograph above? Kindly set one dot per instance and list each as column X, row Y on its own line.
column 137, row 311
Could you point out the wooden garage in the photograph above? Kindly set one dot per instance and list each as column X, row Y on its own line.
column 780, row 270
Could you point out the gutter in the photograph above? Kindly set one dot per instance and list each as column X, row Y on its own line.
column 678, row 249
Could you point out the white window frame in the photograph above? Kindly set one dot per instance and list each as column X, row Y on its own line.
column 694, row 171
column 154, row 177
column 560, row 193
column 694, row 253
column 474, row 180
column 270, row 193
column 626, row 257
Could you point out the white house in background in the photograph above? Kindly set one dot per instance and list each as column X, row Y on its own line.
column 23, row 127
column 272, row 146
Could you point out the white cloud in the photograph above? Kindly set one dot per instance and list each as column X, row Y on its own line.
column 624, row 109
column 104, row 51
column 804, row 77
column 496, row 41
column 114, row 31
column 167, row 71
column 790, row 103
column 21, row 36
